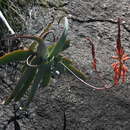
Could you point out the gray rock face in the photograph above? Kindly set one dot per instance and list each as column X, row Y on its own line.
column 68, row 104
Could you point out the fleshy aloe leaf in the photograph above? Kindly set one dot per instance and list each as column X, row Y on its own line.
column 60, row 44
column 66, row 45
column 19, row 85
column 25, row 80
column 59, row 58
column 36, row 83
column 39, row 48
column 29, row 79
column 75, row 70
column 46, row 75
column 17, row 55
column 32, row 72
column 33, row 45
column 66, row 60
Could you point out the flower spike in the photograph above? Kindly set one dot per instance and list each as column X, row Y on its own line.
column 119, row 67
column 93, row 54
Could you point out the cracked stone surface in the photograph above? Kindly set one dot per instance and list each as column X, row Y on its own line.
column 68, row 104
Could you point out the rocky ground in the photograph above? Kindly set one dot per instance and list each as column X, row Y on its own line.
column 68, row 104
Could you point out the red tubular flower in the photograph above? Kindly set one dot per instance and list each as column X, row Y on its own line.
column 119, row 67
column 93, row 54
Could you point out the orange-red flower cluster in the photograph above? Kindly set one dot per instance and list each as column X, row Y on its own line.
column 119, row 67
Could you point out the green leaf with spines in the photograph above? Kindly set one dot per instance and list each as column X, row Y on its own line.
column 17, row 55
column 26, row 79
column 19, row 85
column 25, row 86
column 29, row 80
column 42, row 70
column 66, row 45
column 76, row 71
column 46, row 74
column 60, row 44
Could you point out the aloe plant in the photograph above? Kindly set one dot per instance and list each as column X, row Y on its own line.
column 41, row 62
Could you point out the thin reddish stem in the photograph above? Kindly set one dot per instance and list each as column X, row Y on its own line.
column 93, row 54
